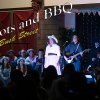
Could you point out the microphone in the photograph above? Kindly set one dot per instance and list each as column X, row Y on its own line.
column 65, row 43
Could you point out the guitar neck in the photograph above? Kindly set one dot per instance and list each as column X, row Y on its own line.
column 76, row 55
column 79, row 53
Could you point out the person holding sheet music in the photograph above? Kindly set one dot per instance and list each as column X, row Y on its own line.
column 74, row 48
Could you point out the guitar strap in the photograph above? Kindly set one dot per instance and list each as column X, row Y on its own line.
column 77, row 48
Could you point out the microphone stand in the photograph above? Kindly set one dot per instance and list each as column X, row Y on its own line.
column 65, row 43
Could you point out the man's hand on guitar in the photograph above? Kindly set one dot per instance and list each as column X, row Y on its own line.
column 66, row 58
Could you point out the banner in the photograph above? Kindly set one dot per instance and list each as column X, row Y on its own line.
column 5, row 23
column 25, row 30
column 21, row 34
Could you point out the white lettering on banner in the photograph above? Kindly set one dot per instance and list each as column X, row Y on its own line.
column 28, row 21
column 3, row 31
column 38, row 17
column 56, row 10
column 48, row 13
column 21, row 25
column 68, row 10
column 10, row 29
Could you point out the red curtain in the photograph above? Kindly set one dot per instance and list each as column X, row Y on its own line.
column 29, row 41
column 21, row 34
column 5, row 21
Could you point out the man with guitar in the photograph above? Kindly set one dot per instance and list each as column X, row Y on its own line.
column 73, row 53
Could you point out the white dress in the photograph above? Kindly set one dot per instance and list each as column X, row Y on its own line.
column 29, row 61
column 52, row 59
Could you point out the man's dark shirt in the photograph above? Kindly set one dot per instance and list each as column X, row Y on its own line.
column 73, row 48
